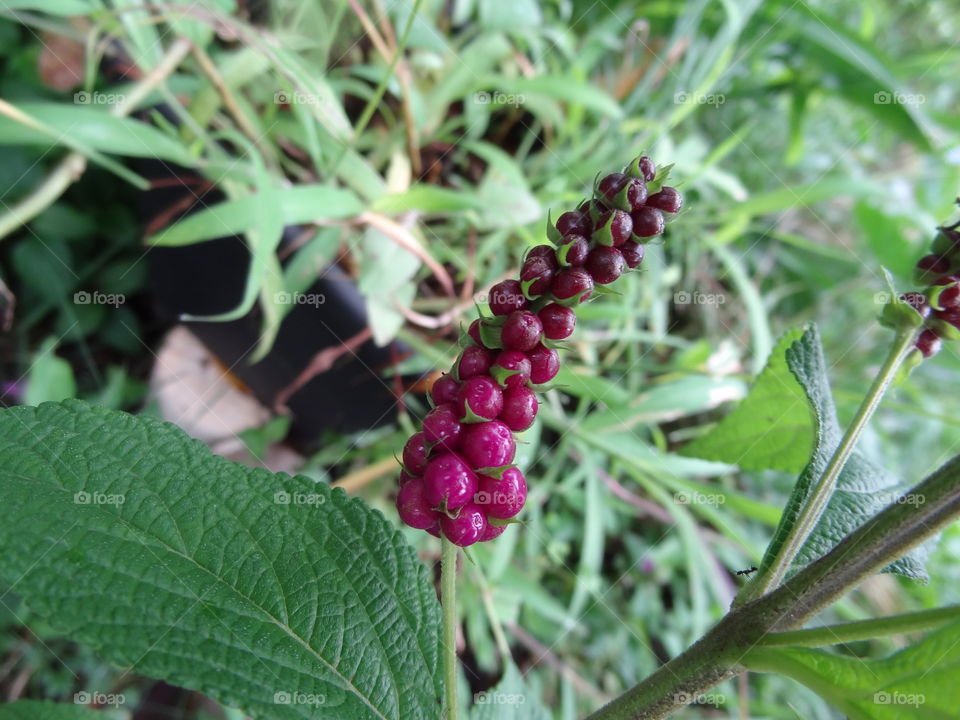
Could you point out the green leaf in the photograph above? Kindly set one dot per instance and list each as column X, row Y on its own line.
column 862, row 490
column 566, row 89
column 428, row 199
column 54, row 7
column 257, row 589
column 916, row 682
column 300, row 204
column 50, row 378
column 509, row 16
column 772, row 429
column 43, row 710
column 510, row 699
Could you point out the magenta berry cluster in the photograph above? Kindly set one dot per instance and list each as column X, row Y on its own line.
column 940, row 303
column 458, row 474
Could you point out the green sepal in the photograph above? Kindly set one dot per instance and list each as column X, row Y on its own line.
column 562, row 254
column 897, row 314
column 933, row 295
column 604, row 290
column 595, row 211
column 553, row 235
column 471, row 417
column 946, row 243
column 464, row 340
column 633, row 169
column 945, row 330
column 502, row 374
column 556, row 344
column 498, row 522
column 525, row 286
column 490, row 335
column 543, row 387
column 603, row 234
column 567, row 302
column 912, row 360
column 494, row 472
column 620, row 200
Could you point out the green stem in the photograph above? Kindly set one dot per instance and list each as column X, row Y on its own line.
column 806, row 521
column 864, row 629
column 448, row 597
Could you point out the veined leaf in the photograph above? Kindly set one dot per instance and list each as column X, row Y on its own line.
column 916, row 682
column 862, row 490
column 772, row 429
column 270, row 593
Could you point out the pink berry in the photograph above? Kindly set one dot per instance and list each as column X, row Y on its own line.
column 405, row 477
column 574, row 249
column 441, row 427
column 574, row 222
column 572, row 283
column 512, row 367
column 415, row 454
column 632, row 253
column 507, row 296
column 503, row 497
column 521, row 331
column 474, row 361
column 647, row 222
column 444, row 390
column 481, row 396
column 488, row 445
column 519, row 408
column 492, row 532
column 414, row 508
column 668, row 199
column 605, row 264
column 558, row 321
column 928, row 343
column 448, row 479
column 950, row 296
column 466, row 528
column 474, row 332
column 545, row 364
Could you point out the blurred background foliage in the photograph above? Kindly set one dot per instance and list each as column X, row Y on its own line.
column 421, row 146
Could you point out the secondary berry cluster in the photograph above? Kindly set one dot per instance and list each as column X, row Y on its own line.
column 940, row 303
column 458, row 475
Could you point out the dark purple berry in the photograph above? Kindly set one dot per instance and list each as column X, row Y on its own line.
column 466, row 528
column 474, row 331
column 632, row 253
column 934, row 264
column 448, row 479
column 444, row 390
column 544, row 364
column 574, row 223
column 558, row 321
column 647, row 222
column 492, row 532
column 949, row 297
column 928, row 343
column 573, row 250
column 488, row 445
column 668, row 199
column 522, row 331
column 605, row 264
column 519, row 408
column 647, row 167
column 611, row 185
column 511, row 368
column 502, row 498
column 547, row 253
column 441, row 427
column 415, row 454
column 613, row 228
column 481, row 396
column 414, row 508
column 637, row 193
column 536, row 274
column 507, row 296
column 474, row 361
column 572, row 283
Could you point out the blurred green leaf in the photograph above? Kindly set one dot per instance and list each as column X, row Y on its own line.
column 45, row 710
column 50, row 377
column 509, row 699
column 509, row 16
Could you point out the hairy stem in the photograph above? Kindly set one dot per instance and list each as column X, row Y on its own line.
column 772, row 576
column 719, row 654
column 448, row 597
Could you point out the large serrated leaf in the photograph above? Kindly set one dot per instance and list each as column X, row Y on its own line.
column 42, row 710
column 862, row 489
column 916, row 682
column 270, row 593
column 511, row 699
column 772, row 429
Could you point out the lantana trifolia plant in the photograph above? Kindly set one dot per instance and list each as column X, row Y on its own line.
column 122, row 533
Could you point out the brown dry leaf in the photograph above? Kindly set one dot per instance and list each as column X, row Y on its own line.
column 60, row 64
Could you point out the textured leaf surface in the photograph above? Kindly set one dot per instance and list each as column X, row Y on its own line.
column 269, row 593
column 862, row 490
column 916, row 682
column 511, row 699
column 772, row 429
column 42, row 710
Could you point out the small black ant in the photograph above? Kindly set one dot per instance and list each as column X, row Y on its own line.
column 747, row 572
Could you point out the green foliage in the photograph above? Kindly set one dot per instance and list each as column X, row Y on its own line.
column 510, row 699
column 42, row 710
column 269, row 593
